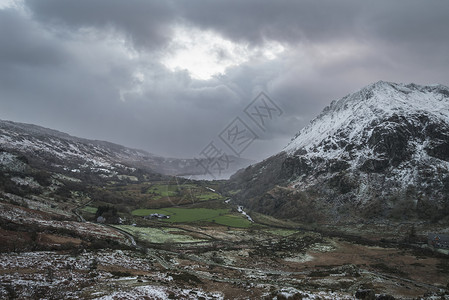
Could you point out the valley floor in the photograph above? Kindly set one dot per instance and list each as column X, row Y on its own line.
column 207, row 249
column 266, row 263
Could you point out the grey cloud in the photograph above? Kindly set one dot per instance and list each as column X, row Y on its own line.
column 408, row 21
column 286, row 21
column 144, row 23
column 148, row 23
column 291, row 21
column 24, row 44
column 63, row 64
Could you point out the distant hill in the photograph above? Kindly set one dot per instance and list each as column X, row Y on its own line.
column 57, row 151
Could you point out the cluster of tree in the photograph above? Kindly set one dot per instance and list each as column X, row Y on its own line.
column 108, row 213
column 8, row 186
column 113, row 197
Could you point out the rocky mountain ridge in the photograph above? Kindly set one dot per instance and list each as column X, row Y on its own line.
column 381, row 152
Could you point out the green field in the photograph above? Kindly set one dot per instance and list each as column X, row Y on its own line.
column 183, row 214
column 233, row 221
column 182, row 190
column 233, row 192
column 89, row 209
column 186, row 215
column 207, row 195
column 159, row 235
column 164, row 190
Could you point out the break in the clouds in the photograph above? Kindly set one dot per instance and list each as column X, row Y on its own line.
column 168, row 76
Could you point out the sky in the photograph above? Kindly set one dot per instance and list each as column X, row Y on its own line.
column 172, row 77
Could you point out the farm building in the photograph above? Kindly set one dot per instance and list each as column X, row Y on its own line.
column 438, row 240
column 157, row 216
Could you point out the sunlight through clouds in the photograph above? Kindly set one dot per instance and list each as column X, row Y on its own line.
column 205, row 54
column 18, row 4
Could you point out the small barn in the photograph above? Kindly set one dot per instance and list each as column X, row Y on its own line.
column 156, row 216
column 101, row 220
column 437, row 240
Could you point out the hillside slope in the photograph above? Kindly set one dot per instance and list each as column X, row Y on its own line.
column 57, row 151
column 381, row 152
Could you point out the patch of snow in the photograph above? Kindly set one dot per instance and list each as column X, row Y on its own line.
column 160, row 292
column 27, row 181
column 64, row 177
column 300, row 258
column 288, row 293
column 126, row 177
column 10, row 162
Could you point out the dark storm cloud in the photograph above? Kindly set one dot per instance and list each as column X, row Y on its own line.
column 145, row 23
column 23, row 44
column 255, row 21
column 149, row 23
column 322, row 21
column 408, row 21
column 75, row 65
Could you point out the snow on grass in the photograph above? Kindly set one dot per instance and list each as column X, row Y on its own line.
column 300, row 258
column 70, row 276
column 27, row 181
column 40, row 261
column 37, row 219
column 36, row 203
column 64, row 177
column 160, row 292
column 159, row 235
column 290, row 293
column 10, row 162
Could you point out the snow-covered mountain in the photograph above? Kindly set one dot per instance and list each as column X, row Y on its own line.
column 56, row 151
column 381, row 152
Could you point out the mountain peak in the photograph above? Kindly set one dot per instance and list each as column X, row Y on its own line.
column 381, row 152
column 378, row 100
